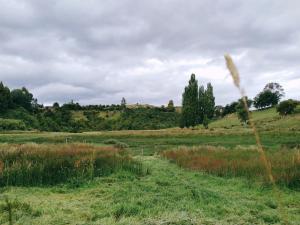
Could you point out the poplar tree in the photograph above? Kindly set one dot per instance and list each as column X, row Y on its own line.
column 210, row 101
column 170, row 106
column 190, row 105
column 5, row 98
column 123, row 103
column 201, row 104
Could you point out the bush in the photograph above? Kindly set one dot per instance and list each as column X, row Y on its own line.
column 32, row 164
column 286, row 107
column 10, row 124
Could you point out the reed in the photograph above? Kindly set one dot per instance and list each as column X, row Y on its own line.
column 239, row 162
column 47, row 164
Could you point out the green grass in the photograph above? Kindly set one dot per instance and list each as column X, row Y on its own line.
column 168, row 194
column 46, row 164
column 266, row 120
column 150, row 142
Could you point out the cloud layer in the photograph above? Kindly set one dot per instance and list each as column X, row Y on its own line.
column 96, row 52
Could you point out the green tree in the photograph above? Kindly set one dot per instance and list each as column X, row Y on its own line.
column 219, row 111
column 22, row 97
column 5, row 98
column 210, row 101
column 276, row 89
column 205, row 121
column 229, row 108
column 201, row 104
column 265, row 99
column 123, row 103
column 55, row 105
column 190, row 106
column 170, row 106
column 241, row 110
column 286, row 107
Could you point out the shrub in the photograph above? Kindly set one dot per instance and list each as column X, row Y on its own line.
column 33, row 164
column 10, row 124
column 286, row 107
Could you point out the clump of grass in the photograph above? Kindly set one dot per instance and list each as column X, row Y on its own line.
column 239, row 162
column 111, row 141
column 32, row 164
column 116, row 143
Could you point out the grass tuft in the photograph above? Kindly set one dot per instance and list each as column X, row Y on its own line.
column 48, row 164
column 239, row 162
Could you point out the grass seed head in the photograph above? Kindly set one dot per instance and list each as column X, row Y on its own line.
column 233, row 70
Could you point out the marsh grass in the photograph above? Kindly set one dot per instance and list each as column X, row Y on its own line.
column 240, row 162
column 49, row 164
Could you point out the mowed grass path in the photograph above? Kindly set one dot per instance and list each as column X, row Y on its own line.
column 169, row 195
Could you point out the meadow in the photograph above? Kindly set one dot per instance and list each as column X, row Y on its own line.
column 153, row 190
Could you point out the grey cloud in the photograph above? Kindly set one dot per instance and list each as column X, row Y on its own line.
column 99, row 51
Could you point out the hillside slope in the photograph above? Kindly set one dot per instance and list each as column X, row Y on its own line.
column 266, row 120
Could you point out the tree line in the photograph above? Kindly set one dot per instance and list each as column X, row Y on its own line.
column 198, row 104
column 19, row 110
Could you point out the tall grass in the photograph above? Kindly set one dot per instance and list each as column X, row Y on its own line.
column 32, row 164
column 240, row 162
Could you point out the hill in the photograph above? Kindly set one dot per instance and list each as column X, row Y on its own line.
column 267, row 119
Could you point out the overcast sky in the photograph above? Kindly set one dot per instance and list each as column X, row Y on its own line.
column 96, row 52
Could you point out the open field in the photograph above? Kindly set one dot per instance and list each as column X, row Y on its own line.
column 166, row 194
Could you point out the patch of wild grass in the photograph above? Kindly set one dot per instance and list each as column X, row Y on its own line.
column 116, row 143
column 49, row 164
column 239, row 162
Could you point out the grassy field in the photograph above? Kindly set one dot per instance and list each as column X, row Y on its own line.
column 167, row 193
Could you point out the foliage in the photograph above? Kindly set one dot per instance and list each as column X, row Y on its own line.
column 241, row 110
column 205, row 121
column 201, row 104
column 209, row 106
column 170, row 106
column 123, row 103
column 190, row 106
column 270, row 96
column 275, row 88
column 5, row 98
column 11, row 124
column 286, row 107
column 22, row 97
column 32, row 164
column 218, row 111
column 146, row 118
column 230, row 108
column 197, row 105
column 265, row 99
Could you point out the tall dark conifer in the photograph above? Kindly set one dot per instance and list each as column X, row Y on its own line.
column 190, row 105
column 201, row 103
column 210, row 101
column 5, row 98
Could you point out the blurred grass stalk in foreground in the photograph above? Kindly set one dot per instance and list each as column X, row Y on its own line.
column 236, row 80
